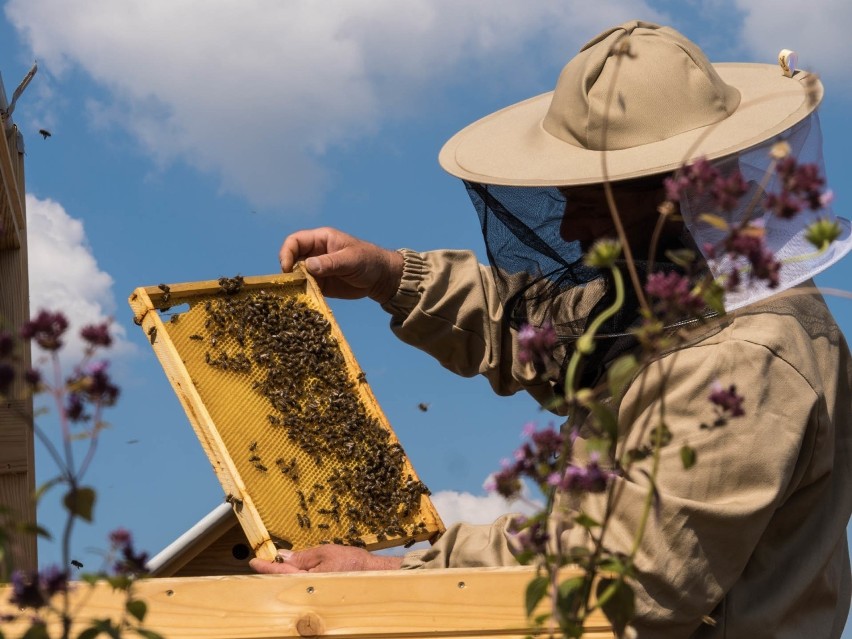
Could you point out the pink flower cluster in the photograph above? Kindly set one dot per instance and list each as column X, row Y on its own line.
column 726, row 400
column 536, row 344
column 675, row 292
column 578, row 479
column 129, row 561
column 801, row 187
column 33, row 589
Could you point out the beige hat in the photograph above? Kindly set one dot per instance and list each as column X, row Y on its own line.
column 639, row 96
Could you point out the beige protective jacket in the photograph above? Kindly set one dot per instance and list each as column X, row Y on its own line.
column 754, row 535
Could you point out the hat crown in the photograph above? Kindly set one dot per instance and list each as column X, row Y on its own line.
column 636, row 84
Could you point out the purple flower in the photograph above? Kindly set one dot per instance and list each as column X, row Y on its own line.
column 727, row 400
column 53, row 580
column 727, row 190
column 120, row 537
column 785, row 205
column 528, row 536
column 801, row 185
column 505, row 482
column 98, row 386
column 536, row 344
column 46, row 329
column 25, row 590
column 75, row 411
column 33, row 377
column 748, row 242
column 31, row 589
column 97, row 335
column 591, row 479
column 675, row 292
column 129, row 561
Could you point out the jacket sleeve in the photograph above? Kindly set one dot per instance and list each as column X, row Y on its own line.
column 447, row 305
column 708, row 520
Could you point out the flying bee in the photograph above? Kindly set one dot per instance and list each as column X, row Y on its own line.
column 423, row 406
column 76, row 564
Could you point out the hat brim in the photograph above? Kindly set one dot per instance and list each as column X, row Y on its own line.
column 510, row 147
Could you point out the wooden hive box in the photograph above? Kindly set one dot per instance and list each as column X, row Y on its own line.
column 284, row 413
column 463, row 603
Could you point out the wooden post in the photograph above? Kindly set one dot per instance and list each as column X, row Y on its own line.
column 17, row 465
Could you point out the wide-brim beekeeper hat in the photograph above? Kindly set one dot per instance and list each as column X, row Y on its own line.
column 640, row 100
column 645, row 95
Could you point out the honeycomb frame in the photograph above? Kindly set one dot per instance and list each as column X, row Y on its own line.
column 290, row 466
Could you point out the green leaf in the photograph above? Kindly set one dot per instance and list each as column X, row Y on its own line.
column 80, row 502
column 714, row 220
column 616, row 599
column 36, row 631
column 714, row 296
column 620, row 372
column 536, row 590
column 106, row 626
column 34, row 529
column 568, row 591
column 137, row 608
column 607, row 420
column 586, row 522
column 120, row 582
column 89, row 633
column 687, row 456
column 661, row 435
column 682, row 257
column 90, row 578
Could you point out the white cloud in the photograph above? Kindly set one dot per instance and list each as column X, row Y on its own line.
column 258, row 91
column 455, row 507
column 819, row 33
column 64, row 276
column 478, row 509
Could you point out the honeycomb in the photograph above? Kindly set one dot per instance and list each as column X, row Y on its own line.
column 285, row 413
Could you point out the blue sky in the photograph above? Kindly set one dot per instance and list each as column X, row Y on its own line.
column 190, row 138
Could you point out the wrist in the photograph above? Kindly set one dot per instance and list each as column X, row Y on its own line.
column 389, row 284
column 384, row 562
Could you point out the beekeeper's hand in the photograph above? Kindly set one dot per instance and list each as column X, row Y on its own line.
column 344, row 266
column 326, row 558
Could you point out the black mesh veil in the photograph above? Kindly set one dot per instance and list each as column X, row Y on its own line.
column 541, row 277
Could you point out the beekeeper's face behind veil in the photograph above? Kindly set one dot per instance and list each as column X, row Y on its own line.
column 633, row 106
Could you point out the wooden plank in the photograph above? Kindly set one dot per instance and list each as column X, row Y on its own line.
column 480, row 602
column 16, row 494
column 11, row 190
column 14, row 436
column 17, row 463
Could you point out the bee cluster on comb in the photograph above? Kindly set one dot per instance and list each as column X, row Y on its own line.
column 296, row 417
